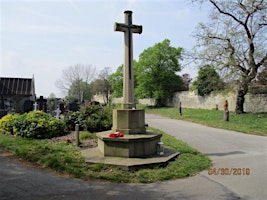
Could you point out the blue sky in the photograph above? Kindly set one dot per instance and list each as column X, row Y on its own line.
column 43, row 37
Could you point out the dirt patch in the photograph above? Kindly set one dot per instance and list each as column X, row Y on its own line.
column 71, row 137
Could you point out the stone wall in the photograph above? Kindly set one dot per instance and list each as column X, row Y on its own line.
column 253, row 103
column 256, row 103
column 191, row 100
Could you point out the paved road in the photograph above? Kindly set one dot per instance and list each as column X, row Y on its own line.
column 227, row 149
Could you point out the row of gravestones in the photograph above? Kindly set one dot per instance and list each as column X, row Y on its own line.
column 41, row 104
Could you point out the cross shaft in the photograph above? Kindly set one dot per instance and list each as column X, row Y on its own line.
column 128, row 73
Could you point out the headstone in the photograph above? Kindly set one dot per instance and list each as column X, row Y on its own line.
column 57, row 111
column 27, row 106
column 73, row 107
column 62, row 108
column 42, row 104
column 35, row 106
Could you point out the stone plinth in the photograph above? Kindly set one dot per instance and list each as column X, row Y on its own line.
column 129, row 146
column 129, row 121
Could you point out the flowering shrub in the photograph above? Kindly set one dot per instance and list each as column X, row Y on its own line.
column 37, row 124
column 7, row 124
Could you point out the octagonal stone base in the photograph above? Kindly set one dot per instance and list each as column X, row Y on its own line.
column 129, row 146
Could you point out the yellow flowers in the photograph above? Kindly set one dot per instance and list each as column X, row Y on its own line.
column 36, row 124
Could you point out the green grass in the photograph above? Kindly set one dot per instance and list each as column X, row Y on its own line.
column 87, row 135
column 251, row 123
column 66, row 158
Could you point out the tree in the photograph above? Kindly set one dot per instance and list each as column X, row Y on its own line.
column 79, row 91
column 259, row 85
column 186, row 80
column 207, row 80
column 235, row 41
column 156, row 72
column 104, row 85
column 75, row 81
column 262, row 77
column 51, row 102
column 116, row 81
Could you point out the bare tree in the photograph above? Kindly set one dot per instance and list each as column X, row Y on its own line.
column 75, row 78
column 235, row 41
column 105, row 87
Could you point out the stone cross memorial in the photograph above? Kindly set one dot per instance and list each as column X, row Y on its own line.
column 128, row 73
column 136, row 141
column 128, row 119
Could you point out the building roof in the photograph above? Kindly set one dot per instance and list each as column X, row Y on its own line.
column 17, row 86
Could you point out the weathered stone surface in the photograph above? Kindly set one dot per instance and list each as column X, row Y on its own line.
column 129, row 121
column 129, row 146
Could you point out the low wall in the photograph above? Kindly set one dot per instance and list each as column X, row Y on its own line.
column 256, row 103
column 253, row 103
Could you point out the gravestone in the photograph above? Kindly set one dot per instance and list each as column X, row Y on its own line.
column 35, row 106
column 57, row 111
column 42, row 104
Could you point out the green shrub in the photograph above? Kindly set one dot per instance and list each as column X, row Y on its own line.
column 72, row 118
column 96, row 118
column 91, row 118
column 7, row 123
column 37, row 124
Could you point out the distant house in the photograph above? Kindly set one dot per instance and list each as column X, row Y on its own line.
column 16, row 95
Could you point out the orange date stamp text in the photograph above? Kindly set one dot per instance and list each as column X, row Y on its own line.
column 229, row 171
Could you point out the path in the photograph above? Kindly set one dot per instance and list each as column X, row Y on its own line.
column 226, row 148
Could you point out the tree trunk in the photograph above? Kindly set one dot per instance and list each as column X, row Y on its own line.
column 240, row 100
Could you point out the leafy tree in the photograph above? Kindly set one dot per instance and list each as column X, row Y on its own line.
column 156, row 72
column 207, row 81
column 116, row 81
column 51, row 102
column 79, row 91
column 235, row 40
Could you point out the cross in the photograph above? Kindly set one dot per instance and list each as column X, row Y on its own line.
column 35, row 105
column 128, row 76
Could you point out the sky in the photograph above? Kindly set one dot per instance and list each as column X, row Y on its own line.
column 41, row 38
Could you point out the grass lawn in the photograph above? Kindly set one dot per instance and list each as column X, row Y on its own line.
column 251, row 123
column 66, row 158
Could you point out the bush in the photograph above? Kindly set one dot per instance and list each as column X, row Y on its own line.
column 7, row 123
column 91, row 118
column 37, row 124
column 72, row 118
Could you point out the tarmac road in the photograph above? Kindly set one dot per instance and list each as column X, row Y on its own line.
column 227, row 149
